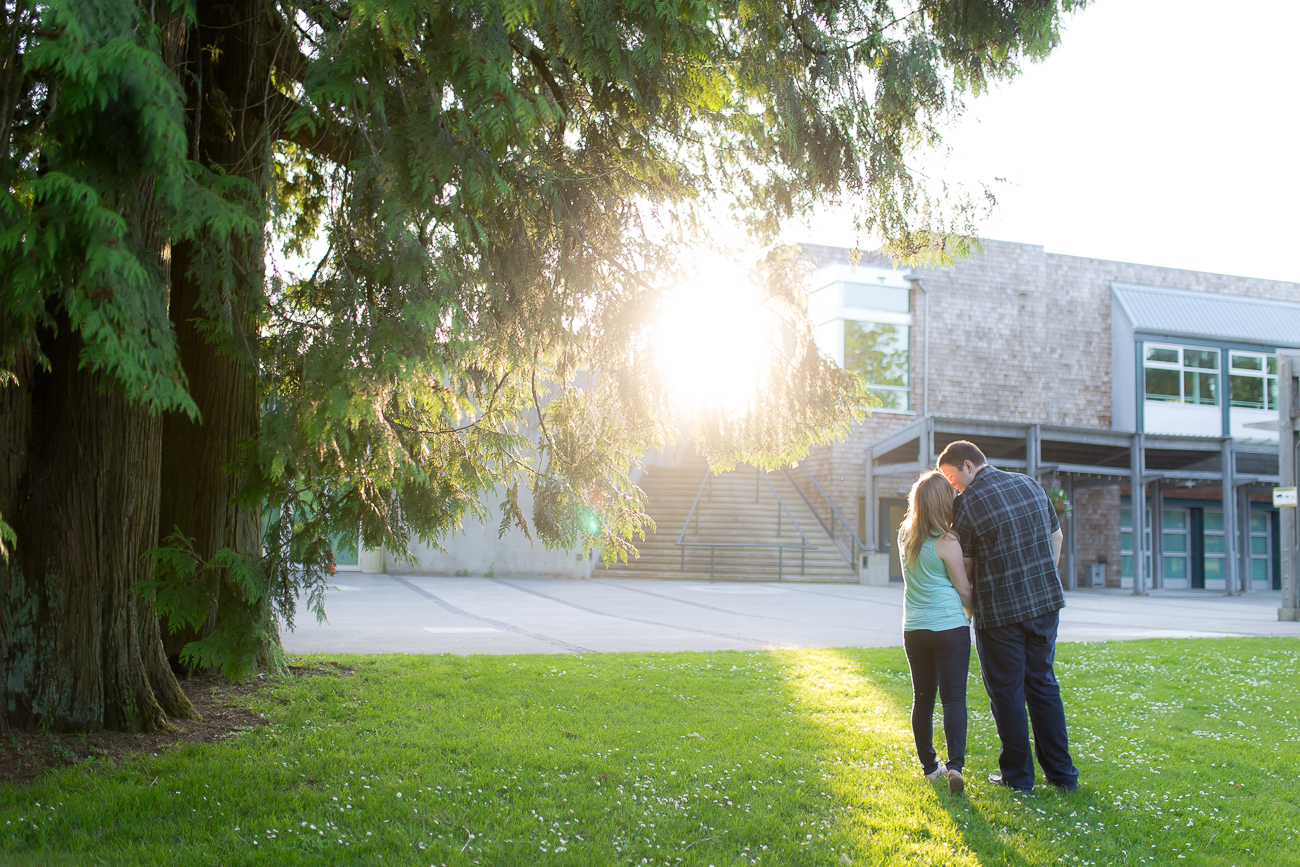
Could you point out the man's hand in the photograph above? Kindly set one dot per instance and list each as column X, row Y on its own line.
column 1057, row 539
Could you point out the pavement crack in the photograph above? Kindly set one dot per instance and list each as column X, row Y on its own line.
column 632, row 619
column 497, row 623
column 688, row 602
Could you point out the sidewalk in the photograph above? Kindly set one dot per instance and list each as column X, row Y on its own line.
column 435, row 614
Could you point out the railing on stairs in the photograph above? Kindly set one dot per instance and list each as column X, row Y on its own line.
column 842, row 536
column 707, row 481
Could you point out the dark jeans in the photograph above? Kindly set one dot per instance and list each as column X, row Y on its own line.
column 939, row 661
column 1017, row 660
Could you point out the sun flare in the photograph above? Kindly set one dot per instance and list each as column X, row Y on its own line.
column 712, row 341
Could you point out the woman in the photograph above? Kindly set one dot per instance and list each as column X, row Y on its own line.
column 936, row 629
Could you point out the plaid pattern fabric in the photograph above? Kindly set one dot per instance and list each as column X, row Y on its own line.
column 1005, row 524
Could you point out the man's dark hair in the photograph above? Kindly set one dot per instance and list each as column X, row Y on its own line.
column 961, row 451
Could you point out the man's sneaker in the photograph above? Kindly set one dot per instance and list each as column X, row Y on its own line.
column 956, row 785
column 938, row 773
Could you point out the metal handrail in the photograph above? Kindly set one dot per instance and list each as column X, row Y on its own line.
column 713, row 546
column 855, row 543
column 784, row 508
column 704, row 481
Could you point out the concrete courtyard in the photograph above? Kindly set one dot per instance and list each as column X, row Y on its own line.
column 435, row 614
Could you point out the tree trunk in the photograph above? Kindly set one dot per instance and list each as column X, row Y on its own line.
column 214, row 295
column 80, row 480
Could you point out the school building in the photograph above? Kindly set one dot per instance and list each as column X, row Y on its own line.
column 1099, row 378
column 1147, row 396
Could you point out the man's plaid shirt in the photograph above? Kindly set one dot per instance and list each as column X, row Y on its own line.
column 1005, row 524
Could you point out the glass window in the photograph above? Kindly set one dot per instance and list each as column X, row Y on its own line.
column 1201, row 389
column 864, row 295
column 1247, row 362
column 880, row 353
column 1175, row 568
column 1253, row 382
column 1126, row 542
column 1261, row 551
column 1174, row 542
column 1174, row 519
column 1247, row 391
column 1182, row 374
column 1163, row 385
column 1215, row 545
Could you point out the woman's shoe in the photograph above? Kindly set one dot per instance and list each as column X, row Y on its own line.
column 938, row 773
column 956, row 785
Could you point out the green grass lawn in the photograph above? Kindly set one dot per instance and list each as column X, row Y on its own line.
column 1187, row 750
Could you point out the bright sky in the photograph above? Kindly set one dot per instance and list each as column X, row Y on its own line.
column 1165, row 132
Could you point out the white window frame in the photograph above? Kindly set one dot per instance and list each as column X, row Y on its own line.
column 830, row 314
column 904, row 390
column 1267, row 361
column 1181, row 368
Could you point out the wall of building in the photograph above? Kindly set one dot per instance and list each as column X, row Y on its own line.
column 1020, row 334
column 474, row 548
column 1096, row 520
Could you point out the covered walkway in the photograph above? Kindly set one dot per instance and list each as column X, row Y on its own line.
column 1078, row 458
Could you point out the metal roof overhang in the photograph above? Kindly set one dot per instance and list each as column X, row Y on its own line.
column 1087, row 454
column 1208, row 316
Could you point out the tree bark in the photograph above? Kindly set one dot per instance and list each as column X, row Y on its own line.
column 214, row 295
column 80, row 647
column 80, row 480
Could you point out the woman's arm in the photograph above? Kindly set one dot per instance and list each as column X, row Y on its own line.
column 949, row 551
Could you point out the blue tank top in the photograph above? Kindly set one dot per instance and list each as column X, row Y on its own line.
column 929, row 599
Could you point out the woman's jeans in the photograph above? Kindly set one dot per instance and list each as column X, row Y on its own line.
column 940, row 662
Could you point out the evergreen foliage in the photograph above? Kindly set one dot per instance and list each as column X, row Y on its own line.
column 495, row 195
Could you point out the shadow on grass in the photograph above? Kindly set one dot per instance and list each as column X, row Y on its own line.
column 893, row 815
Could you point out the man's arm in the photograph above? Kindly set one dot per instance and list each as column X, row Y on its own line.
column 1057, row 538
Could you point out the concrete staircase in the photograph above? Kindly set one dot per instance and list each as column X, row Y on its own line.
column 735, row 509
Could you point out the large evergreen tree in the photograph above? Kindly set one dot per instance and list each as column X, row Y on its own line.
column 494, row 194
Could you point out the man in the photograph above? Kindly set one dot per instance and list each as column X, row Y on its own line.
column 1011, row 541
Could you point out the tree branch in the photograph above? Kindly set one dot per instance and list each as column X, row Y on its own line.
column 534, row 55
column 323, row 142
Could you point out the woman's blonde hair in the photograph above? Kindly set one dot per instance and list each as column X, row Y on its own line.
column 929, row 513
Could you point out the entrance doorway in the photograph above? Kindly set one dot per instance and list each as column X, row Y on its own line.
column 891, row 518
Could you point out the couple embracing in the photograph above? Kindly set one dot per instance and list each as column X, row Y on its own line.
column 977, row 540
